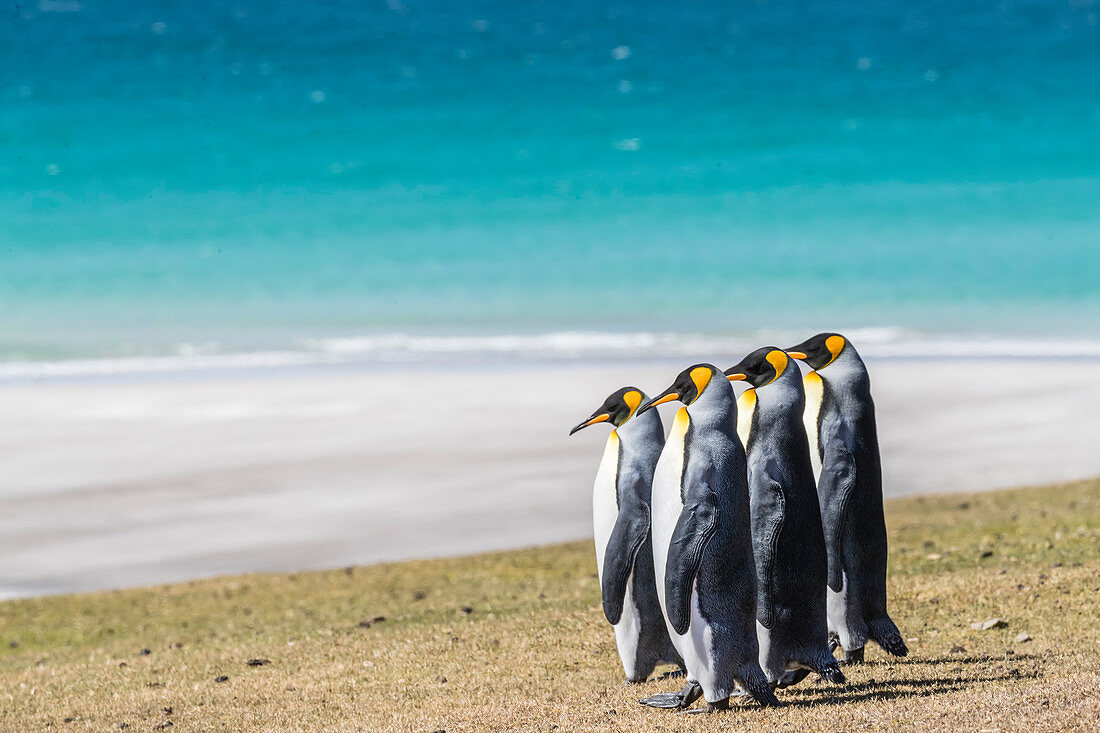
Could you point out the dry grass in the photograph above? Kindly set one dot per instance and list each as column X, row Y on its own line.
column 516, row 641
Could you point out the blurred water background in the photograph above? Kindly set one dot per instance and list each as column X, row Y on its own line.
column 252, row 183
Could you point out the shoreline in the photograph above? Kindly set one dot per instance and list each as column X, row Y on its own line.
column 330, row 468
column 381, row 352
column 473, row 365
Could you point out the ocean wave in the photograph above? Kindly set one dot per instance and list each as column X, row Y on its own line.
column 558, row 345
column 159, row 364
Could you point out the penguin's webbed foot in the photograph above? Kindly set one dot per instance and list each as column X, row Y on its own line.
column 853, row 656
column 793, row 678
column 834, row 641
column 712, row 707
column 675, row 700
column 666, row 700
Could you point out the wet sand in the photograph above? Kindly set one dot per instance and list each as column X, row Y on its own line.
column 111, row 483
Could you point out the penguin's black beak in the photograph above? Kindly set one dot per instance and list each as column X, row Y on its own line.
column 598, row 417
column 668, row 395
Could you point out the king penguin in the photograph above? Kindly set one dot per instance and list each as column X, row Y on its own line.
column 702, row 545
column 620, row 514
column 787, row 541
column 840, row 423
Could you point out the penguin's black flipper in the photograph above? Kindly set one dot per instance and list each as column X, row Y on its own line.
column 629, row 534
column 831, row 672
column 756, row 684
column 885, row 633
column 765, row 543
column 697, row 523
column 838, row 478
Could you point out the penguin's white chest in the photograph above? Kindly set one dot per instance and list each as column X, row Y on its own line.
column 815, row 394
column 605, row 512
column 696, row 644
column 605, row 503
column 665, row 504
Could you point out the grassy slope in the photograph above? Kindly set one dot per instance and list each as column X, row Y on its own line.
column 516, row 641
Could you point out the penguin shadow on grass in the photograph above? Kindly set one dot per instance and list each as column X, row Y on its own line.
column 980, row 659
column 856, row 690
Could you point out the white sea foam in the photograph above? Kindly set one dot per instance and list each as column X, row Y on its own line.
column 558, row 345
column 155, row 364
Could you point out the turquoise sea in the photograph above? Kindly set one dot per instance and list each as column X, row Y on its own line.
column 290, row 182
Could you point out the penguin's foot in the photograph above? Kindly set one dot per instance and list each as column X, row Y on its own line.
column 675, row 700
column 712, row 707
column 793, row 677
column 853, row 656
column 834, row 641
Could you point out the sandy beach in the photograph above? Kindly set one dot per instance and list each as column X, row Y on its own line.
column 112, row 483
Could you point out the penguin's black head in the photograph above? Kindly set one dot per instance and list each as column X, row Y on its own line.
column 761, row 367
column 689, row 384
column 619, row 407
column 819, row 351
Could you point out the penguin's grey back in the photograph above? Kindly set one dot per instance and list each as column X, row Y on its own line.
column 849, row 472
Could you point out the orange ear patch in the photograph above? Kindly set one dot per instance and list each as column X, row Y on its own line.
column 632, row 398
column 701, row 376
column 778, row 359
